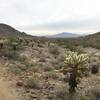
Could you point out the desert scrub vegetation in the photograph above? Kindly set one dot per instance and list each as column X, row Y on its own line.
column 48, row 68
column 9, row 54
column 88, row 41
column 18, row 67
column 76, row 65
column 54, row 50
column 79, row 50
column 93, row 94
column 10, row 44
column 32, row 83
column 14, row 69
column 1, row 43
column 61, row 92
column 52, row 75
column 14, row 45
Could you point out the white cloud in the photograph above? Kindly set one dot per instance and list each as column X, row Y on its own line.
column 51, row 16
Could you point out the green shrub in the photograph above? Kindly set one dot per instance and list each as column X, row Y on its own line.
column 9, row 54
column 33, row 83
column 19, row 67
column 48, row 68
column 83, row 98
column 22, row 58
column 42, row 59
column 62, row 93
column 35, row 69
column 54, row 50
column 79, row 50
column 14, row 69
column 94, row 94
column 1, row 44
column 14, row 45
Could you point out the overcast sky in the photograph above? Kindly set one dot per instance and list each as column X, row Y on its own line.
column 42, row 17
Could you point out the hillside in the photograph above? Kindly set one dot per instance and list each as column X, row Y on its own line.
column 9, row 31
column 93, row 37
column 92, row 40
column 6, row 30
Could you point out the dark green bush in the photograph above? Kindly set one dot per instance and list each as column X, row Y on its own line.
column 54, row 50
column 9, row 54
column 33, row 83
column 14, row 69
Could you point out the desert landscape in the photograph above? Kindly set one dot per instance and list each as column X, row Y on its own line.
column 40, row 68
column 49, row 50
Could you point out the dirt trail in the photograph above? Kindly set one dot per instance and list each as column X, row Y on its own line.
column 7, row 92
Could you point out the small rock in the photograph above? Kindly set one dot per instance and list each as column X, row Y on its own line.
column 20, row 83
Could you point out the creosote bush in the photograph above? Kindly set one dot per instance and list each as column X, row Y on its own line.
column 93, row 94
column 48, row 68
column 14, row 69
column 1, row 45
column 54, row 50
column 33, row 83
column 14, row 45
column 60, row 92
column 9, row 54
column 76, row 65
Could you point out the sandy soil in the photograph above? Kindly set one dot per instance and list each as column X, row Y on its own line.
column 6, row 92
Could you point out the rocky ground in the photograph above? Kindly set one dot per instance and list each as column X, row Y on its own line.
column 33, row 74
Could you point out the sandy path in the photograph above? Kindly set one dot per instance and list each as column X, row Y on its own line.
column 6, row 92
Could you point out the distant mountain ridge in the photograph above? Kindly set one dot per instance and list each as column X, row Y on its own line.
column 65, row 35
column 7, row 30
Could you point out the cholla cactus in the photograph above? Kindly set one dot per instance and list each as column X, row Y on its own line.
column 32, row 44
column 38, row 43
column 26, row 41
column 75, row 60
column 14, row 45
column 20, row 40
column 76, row 65
column 2, row 42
